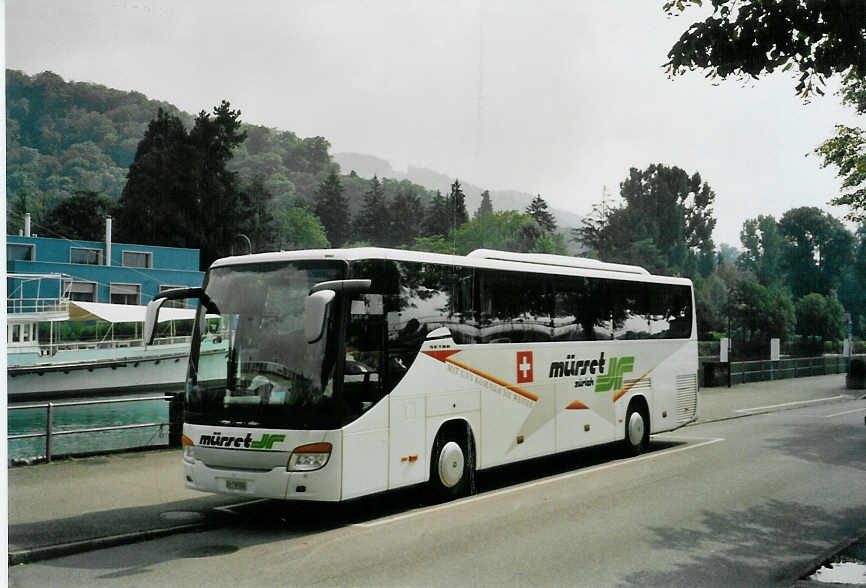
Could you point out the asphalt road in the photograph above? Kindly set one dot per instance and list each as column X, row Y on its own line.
column 752, row 501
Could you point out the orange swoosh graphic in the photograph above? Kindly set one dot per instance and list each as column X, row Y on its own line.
column 577, row 405
column 625, row 389
column 445, row 357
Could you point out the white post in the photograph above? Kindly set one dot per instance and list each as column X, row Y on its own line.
column 723, row 350
column 108, row 240
column 26, row 224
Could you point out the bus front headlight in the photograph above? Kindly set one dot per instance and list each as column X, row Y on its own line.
column 307, row 458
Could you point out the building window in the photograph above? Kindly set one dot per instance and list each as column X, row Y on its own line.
column 172, row 303
column 85, row 255
column 20, row 252
column 125, row 293
column 80, row 291
column 137, row 259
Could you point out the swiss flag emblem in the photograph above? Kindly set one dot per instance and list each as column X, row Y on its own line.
column 524, row 367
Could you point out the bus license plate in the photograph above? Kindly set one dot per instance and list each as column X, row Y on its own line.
column 240, row 485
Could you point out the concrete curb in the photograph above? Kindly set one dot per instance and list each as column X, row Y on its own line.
column 34, row 554
column 731, row 417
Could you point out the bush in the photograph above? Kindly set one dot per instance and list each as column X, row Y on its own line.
column 856, row 378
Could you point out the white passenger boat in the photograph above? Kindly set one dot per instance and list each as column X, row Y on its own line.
column 43, row 365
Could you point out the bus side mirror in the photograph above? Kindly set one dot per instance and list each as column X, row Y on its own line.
column 316, row 313
column 150, row 319
column 152, row 313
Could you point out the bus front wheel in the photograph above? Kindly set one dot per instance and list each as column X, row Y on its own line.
column 450, row 467
column 636, row 430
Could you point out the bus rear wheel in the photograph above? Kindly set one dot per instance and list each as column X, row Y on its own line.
column 450, row 468
column 636, row 430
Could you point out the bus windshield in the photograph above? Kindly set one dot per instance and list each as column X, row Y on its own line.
column 264, row 374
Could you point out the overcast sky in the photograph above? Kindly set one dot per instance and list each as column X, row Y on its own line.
column 559, row 97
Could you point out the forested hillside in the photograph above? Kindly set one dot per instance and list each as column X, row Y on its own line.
column 79, row 151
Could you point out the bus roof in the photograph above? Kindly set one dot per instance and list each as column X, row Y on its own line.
column 480, row 258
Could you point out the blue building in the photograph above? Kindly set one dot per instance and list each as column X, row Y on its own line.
column 94, row 271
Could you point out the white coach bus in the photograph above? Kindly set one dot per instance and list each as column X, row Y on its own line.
column 355, row 371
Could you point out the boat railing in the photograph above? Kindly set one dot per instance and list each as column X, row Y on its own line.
column 22, row 305
column 51, row 349
column 50, row 433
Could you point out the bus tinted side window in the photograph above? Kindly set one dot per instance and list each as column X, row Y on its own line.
column 670, row 311
column 581, row 310
column 515, row 307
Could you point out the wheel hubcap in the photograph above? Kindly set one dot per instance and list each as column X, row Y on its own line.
column 451, row 463
column 635, row 429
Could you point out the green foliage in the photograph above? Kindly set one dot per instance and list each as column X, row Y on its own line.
column 537, row 209
column 763, row 249
column 299, row 228
column 407, row 216
column 755, row 37
column 432, row 244
column 81, row 216
column 179, row 189
column 486, row 205
column 456, row 206
column 373, row 222
column 759, row 313
column 437, row 220
column 332, row 208
column 820, row 318
column 847, row 153
column 665, row 223
column 817, row 251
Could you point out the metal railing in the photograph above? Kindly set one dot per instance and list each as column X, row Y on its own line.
column 715, row 373
column 21, row 305
column 49, row 420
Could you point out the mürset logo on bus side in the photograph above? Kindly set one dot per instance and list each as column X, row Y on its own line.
column 611, row 380
column 266, row 441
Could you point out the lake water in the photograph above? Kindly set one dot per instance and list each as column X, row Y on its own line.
column 67, row 418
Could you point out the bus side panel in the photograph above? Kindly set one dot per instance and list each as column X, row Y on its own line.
column 516, row 428
column 408, row 456
column 365, row 452
column 579, row 420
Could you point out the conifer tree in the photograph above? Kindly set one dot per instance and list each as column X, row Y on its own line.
column 407, row 218
column 456, row 204
column 438, row 220
column 486, row 206
column 537, row 209
column 373, row 221
column 332, row 208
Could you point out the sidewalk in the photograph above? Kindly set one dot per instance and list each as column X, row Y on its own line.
column 77, row 505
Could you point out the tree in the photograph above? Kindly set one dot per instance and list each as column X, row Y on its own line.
column 847, row 153
column 261, row 226
column 819, row 319
column 81, row 216
column 817, row 250
column 437, row 221
column 373, row 221
column 537, row 209
column 758, row 314
column 763, row 248
column 851, row 290
column 755, row 37
column 407, row 218
column 179, row 189
column 299, row 228
column 332, row 208
column 818, row 39
column 665, row 223
column 455, row 203
column 486, row 206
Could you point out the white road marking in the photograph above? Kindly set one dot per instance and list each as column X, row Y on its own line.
column 228, row 507
column 526, row 486
column 796, row 402
column 835, row 414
